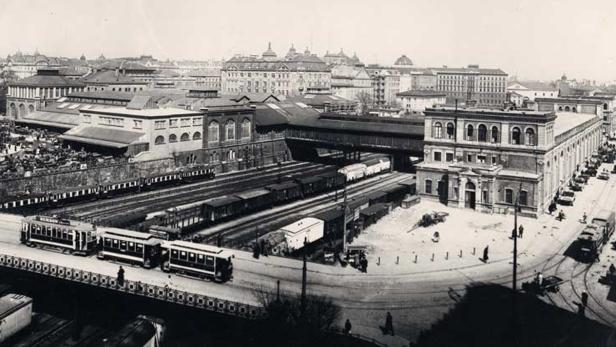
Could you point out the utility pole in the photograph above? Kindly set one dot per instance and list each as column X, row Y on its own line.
column 303, row 298
column 344, row 222
column 514, row 298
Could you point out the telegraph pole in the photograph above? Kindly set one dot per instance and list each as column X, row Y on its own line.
column 303, row 297
column 344, row 219
column 515, row 267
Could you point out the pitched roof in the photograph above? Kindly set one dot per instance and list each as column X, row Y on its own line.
column 533, row 85
column 425, row 93
column 109, row 77
column 46, row 81
column 103, row 136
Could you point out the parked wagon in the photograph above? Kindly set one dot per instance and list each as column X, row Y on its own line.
column 285, row 191
column 221, row 208
column 312, row 185
column 255, row 199
column 333, row 180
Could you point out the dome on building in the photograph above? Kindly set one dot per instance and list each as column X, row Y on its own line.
column 403, row 60
column 292, row 52
column 83, row 57
column 269, row 53
column 563, row 78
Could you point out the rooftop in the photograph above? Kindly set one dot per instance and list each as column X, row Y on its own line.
column 531, row 85
column 46, row 80
column 147, row 112
column 577, row 100
column 566, row 121
column 425, row 93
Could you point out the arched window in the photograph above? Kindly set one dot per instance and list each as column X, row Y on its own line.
column 428, row 187
column 494, row 134
column 573, row 109
column 185, row 137
column 159, row 140
column 246, row 128
column 530, row 137
column 197, row 136
column 482, row 133
column 450, row 131
column 560, row 108
column 605, row 107
column 438, row 130
column 469, row 132
column 30, row 109
column 173, row 138
column 230, row 130
column 567, row 109
column 515, row 136
column 212, row 132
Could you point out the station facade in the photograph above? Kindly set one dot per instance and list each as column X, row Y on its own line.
column 485, row 159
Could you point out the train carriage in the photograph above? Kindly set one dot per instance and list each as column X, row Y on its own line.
column 312, row 185
column 129, row 246
column 198, row 260
column 165, row 233
column 76, row 237
column 333, row 180
column 255, row 199
column 220, row 208
column 285, row 191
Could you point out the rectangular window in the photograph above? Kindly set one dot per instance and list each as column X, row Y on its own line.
column 197, row 121
column 437, row 156
column 493, row 160
column 481, row 159
column 484, row 196
column 137, row 124
column 173, row 123
column 160, row 124
column 509, row 196
column 523, row 199
column 469, row 158
column 185, row 122
column 449, row 157
column 428, row 187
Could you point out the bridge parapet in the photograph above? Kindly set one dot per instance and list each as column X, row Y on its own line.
column 133, row 287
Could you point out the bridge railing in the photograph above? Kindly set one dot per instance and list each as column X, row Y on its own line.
column 162, row 293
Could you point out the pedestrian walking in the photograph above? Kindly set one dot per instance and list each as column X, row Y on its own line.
column 121, row 276
column 584, row 218
column 584, row 299
column 347, row 327
column 485, row 254
column 513, row 235
column 520, row 231
column 389, row 324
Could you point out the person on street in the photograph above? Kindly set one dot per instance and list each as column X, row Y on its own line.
column 520, row 231
column 485, row 254
column 121, row 276
column 612, row 270
column 347, row 327
column 584, row 218
column 389, row 324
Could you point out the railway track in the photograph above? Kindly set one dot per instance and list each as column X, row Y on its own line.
column 75, row 210
column 237, row 232
column 145, row 206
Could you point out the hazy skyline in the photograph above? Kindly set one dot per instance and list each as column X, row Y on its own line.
column 533, row 39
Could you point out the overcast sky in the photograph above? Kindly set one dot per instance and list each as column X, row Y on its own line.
column 539, row 39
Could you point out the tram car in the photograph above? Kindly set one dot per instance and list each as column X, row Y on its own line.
column 129, row 246
column 76, row 237
column 199, row 260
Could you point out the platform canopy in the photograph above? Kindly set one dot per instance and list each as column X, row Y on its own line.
column 114, row 138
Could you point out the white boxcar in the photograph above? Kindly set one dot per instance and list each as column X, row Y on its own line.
column 353, row 172
column 309, row 229
column 15, row 314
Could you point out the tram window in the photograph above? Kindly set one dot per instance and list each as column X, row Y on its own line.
column 131, row 246
column 107, row 242
column 209, row 260
column 115, row 243
column 201, row 259
column 139, row 248
column 183, row 255
column 191, row 257
column 123, row 245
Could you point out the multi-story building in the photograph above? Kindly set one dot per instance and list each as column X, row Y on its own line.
column 293, row 74
column 520, row 92
column 121, row 76
column 206, row 78
column 350, row 81
column 385, row 86
column 417, row 101
column 27, row 65
column 340, row 59
column 485, row 159
column 485, row 87
column 26, row 95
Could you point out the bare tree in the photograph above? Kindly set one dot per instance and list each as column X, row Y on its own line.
column 365, row 102
column 289, row 322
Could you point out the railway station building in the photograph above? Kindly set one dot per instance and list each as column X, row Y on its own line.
column 482, row 159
